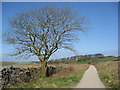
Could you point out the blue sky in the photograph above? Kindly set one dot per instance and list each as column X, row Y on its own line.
column 102, row 35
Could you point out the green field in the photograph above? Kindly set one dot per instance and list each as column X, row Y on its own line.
column 84, row 61
column 97, row 60
column 10, row 63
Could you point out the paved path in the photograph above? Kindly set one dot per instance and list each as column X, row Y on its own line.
column 90, row 79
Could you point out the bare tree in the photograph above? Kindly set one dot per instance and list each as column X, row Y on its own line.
column 43, row 31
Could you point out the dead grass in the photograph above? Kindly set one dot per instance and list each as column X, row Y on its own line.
column 66, row 72
column 33, row 65
column 108, row 72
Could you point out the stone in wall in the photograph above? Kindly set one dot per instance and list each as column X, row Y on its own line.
column 11, row 75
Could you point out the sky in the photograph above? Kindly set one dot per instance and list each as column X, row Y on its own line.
column 101, row 37
column 60, row 0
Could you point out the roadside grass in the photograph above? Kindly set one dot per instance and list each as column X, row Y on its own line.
column 66, row 78
column 108, row 72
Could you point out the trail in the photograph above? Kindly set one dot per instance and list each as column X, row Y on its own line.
column 90, row 79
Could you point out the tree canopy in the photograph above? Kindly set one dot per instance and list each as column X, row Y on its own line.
column 43, row 31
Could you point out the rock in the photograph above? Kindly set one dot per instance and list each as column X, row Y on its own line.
column 53, row 84
column 69, row 81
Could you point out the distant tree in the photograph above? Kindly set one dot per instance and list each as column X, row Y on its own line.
column 99, row 55
column 43, row 31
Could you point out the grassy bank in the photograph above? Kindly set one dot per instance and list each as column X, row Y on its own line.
column 108, row 72
column 66, row 78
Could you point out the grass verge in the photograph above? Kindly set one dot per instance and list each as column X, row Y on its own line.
column 108, row 72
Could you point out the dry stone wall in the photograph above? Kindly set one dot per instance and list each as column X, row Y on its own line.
column 12, row 75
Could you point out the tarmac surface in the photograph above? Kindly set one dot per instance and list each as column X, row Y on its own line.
column 90, row 79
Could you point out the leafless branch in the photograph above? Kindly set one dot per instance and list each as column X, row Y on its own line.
column 43, row 31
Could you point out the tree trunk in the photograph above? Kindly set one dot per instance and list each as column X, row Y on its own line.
column 43, row 69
